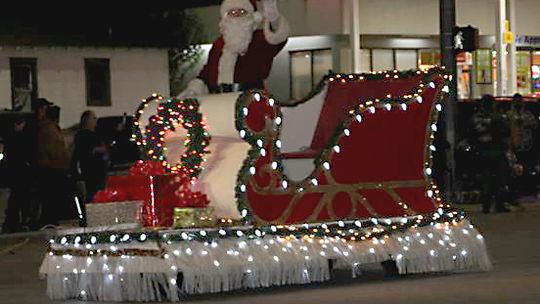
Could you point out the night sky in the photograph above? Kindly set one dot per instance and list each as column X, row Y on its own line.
column 161, row 25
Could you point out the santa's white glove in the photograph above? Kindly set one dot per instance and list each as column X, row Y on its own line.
column 270, row 10
column 194, row 88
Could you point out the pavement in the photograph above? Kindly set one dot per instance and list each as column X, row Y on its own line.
column 513, row 241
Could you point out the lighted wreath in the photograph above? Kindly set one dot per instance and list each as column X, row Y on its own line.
column 171, row 114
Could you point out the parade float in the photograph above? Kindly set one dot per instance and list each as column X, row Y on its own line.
column 361, row 193
column 238, row 191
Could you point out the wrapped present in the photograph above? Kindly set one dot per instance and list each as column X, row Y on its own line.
column 110, row 195
column 135, row 187
column 114, row 213
column 172, row 191
column 130, row 188
column 161, row 192
column 193, row 217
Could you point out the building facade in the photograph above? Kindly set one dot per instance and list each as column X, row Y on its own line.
column 395, row 34
column 107, row 80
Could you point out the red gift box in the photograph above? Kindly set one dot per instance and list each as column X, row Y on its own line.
column 160, row 192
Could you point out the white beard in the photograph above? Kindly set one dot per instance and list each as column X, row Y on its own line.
column 237, row 34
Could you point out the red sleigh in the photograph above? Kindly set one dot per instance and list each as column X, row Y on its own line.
column 370, row 151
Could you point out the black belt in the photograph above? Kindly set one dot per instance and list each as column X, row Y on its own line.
column 234, row 87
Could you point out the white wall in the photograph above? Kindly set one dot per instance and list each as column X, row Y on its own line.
column 406, row 17
column 135, row 74
column 527, row 17
column 478, row 13
column 399, row 17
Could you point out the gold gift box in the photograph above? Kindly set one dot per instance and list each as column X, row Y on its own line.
column 193, row 217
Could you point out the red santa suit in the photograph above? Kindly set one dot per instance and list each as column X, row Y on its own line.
column 248, row 69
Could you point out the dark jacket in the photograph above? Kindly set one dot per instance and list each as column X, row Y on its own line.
column 86, row 162
column 18, row 155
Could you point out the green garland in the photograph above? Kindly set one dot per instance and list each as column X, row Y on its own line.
column 354, row 230
column 172, row 113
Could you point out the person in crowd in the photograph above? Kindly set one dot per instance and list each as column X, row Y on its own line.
column 52, row 162
column 88, row 159
column 18, row 158
column 123, row 150
column 32, row 123
column 523, row 124
column 493, row 140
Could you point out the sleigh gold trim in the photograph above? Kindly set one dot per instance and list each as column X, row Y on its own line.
column 371, row 149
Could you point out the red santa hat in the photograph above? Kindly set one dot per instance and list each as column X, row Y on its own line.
column 249, row 5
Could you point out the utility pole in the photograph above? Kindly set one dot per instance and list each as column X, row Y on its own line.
column 447, row 14
column 512, row 82
column 501, row 49
column 355, row 35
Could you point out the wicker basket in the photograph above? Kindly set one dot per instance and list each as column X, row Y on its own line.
column 114, row 213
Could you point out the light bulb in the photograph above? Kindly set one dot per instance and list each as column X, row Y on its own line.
column 326, row 165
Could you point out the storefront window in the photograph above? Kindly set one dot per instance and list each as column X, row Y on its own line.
column 406, row 60
column 428, row 58
column 523, row 72
column 307, row 70
column 484, row 66
column 365, row 61
column 464, row 66
column 322, row 64
column 300, row 74
column 383, row 59
column 535, row 72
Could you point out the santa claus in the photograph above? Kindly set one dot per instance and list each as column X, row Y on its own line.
column 241, row 58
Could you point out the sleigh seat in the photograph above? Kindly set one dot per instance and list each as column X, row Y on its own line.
column 360, row 146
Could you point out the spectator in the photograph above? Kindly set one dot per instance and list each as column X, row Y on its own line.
column 88, row 161
column 493, row 138
column 52, row 161
column 18, row 157
column 523, row 125
column 123, row 151
column 39, row 107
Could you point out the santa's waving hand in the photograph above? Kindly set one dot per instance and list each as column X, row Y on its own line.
column 241, row 58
